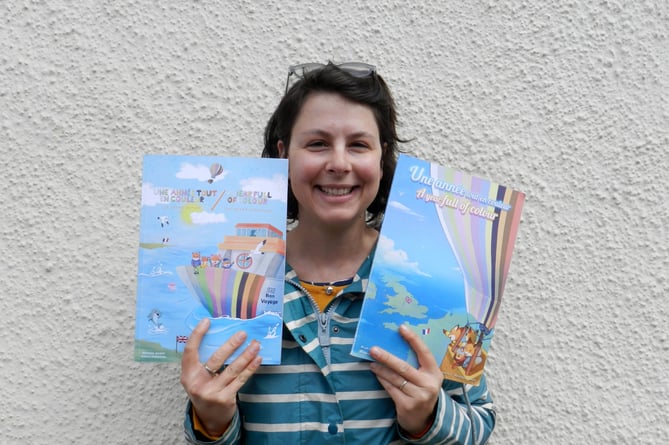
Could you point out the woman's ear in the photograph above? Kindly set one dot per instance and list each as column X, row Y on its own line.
column 283, row 153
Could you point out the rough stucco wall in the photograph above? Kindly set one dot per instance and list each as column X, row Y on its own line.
column 565, row 100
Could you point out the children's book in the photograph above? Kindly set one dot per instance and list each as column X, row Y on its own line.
column 211, row 244
column 440, row 266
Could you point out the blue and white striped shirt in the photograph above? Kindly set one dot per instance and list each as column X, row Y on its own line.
column 321, row 394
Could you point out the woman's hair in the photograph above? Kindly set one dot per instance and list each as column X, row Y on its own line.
column 371, row 91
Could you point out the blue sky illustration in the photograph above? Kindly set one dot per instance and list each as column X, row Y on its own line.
column 413, row 241
column 200, row 222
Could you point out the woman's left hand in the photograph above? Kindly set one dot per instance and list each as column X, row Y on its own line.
column 414, row 391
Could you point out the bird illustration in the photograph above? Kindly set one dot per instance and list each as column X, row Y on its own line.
column 260, row 245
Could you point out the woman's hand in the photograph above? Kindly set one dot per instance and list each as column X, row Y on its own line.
column 213, row 394
column 414, row 391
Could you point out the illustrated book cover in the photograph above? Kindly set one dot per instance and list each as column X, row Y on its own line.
column 211, row 244
column 440, row 266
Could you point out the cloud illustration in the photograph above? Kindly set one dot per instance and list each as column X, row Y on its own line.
column 396, row 259
column 277, row 186
column 404, row 209
column 198, row 172
column 207, row 218
column 150, row 197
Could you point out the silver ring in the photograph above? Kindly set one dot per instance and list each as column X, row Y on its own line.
column 402, row 385
column 209, row 370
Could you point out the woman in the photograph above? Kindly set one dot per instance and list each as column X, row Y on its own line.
column 336, row 126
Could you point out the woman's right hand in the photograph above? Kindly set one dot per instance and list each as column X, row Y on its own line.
column 214, row 396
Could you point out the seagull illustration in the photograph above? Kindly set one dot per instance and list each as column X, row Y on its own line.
column 258, row 247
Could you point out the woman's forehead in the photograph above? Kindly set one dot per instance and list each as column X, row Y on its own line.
column 331, row 112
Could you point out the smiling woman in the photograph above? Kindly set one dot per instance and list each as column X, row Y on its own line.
column 335, row 158
column 337, row 130
column 361, row 86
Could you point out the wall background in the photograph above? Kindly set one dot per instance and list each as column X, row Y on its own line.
column 567, row 101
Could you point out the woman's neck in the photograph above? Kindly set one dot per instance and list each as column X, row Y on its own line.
column 323, row 254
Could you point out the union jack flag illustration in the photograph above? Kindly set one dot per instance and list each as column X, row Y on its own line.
column 182, row 339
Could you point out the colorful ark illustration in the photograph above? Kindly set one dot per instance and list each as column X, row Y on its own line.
column 232, row 282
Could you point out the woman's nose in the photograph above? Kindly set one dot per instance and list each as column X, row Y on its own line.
column 339, row 159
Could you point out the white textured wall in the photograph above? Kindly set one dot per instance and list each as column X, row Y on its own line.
column 565, row 100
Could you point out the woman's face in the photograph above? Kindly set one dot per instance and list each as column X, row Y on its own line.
column 334, row 160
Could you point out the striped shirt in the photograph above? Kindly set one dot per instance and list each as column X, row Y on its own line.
column 321, row 394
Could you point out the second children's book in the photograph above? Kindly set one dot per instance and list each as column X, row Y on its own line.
column 440, row 266
column 212, row 244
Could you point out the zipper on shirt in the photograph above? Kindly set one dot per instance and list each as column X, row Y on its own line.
column 323, row 319
column 324, row 325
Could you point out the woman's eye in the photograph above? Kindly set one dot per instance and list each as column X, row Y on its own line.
column 316, row 144
column 360, row 145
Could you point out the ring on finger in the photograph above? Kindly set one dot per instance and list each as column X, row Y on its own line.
column 402, row 385
column 209, row 370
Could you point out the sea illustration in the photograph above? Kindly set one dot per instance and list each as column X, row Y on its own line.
column 212, row 244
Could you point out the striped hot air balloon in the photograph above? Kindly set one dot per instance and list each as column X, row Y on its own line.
column 481, row 231
column 215, row 170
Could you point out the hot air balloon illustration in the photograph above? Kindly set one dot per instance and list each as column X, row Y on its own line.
column 239, row 288
column 215, row 170
column 481, row 233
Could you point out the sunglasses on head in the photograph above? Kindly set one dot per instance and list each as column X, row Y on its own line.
column 355, row 69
